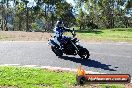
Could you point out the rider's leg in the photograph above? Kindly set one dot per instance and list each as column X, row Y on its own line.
column 60, row 42
column 57, row 41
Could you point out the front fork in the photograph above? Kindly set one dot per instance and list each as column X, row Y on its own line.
column 77, row 49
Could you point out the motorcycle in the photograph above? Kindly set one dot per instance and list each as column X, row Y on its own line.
column 71, row 47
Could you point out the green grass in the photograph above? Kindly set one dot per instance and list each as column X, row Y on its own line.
column 35, row 78
column 2, row 37
column 24, row 77
column 115, row 35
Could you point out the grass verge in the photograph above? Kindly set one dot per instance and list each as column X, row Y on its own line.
column 113, row 35
column 25, row 77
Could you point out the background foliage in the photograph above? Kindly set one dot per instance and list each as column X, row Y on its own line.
column 86, row 14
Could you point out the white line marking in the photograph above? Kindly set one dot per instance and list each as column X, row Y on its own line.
column 9, row 64
column 29, row 65
column 50, row 68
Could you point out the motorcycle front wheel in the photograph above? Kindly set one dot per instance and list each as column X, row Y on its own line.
column 84, row 53
column 57, row 51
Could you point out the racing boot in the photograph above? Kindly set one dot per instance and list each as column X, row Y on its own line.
column 61, row 46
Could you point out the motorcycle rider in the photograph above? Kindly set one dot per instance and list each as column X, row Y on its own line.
column 58, row 32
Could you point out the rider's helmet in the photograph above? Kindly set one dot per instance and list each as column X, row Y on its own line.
column 59, row 24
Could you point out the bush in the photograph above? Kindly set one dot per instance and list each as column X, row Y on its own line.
column 34, row 27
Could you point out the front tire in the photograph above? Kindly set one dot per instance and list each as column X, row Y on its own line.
column 84, row 53
column 57, row 51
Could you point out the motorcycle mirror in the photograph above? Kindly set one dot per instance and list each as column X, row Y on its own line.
column 73, row 29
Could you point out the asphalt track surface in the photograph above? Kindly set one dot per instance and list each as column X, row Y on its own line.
column 105, row 57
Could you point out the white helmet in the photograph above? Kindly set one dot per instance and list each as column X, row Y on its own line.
column 59, row 24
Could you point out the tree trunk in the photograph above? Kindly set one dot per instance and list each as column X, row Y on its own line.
column 27, row 15
column 45, row 12
column 19, row 24
column 52, row 13
column 6, row 18
column 126, row 22
column 80, row 27
column 2, row 20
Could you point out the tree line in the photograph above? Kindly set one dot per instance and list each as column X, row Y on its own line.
column 104, row 13
column 86, row 14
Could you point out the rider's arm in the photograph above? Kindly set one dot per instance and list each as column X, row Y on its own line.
column 57, row 32
column 67, row 29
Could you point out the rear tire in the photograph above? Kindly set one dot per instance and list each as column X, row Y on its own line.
column 57, row 51
column 84, row 53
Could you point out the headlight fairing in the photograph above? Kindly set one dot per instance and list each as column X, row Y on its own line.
column 77, row 43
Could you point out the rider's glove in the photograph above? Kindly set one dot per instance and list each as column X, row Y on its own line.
column 71, row 31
